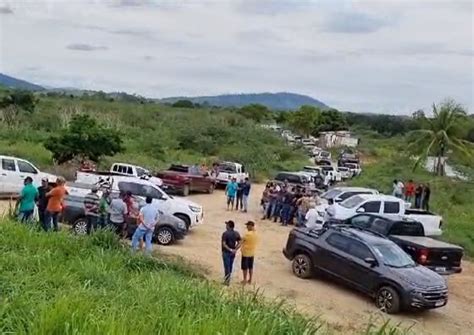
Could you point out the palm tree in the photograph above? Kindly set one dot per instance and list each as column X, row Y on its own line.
column 440, row 135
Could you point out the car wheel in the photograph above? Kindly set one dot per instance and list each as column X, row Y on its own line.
column 388, row 300
column 302, row 266
column 80, row 226
column 185, row 191
column 165, row 236
column 185, row 219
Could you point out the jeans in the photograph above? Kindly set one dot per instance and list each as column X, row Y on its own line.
column 25, row 216
column 417, row 201
column 51, row 221
column 228, row 260
column 103, row 221
column 300, row 217
column 276, row 211
column 138, row 236
column 285, row 214
column 269, row 209
column 91, row 223
column 42, row 217
column 239, row 204
column 245, row 202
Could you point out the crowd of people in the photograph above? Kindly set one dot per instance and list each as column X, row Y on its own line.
column 418, row 195
column 237, row 194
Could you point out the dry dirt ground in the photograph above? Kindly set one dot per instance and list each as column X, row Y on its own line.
column 345, row 309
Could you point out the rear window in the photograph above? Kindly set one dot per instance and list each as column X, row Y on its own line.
column 410, row 228
column 391, row 207
column 8, row 164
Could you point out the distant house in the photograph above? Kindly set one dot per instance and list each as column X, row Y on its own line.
column 336, row 139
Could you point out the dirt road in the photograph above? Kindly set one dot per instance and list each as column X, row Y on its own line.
column 345, row 309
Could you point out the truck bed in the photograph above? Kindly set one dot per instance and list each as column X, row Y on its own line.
column 427, row 242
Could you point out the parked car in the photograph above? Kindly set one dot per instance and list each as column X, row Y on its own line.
column 323, row 162
column 14, row 170
column 389, row 206
column 341, row 193
column 441, row 257
column 117, row 169
column 323, row 155
column 188, row 211
column 366, row 262
column 229, row 170
column 354, row 168
column 293, row 179
column 167, row 231
column 185, row 179
column 345, row 172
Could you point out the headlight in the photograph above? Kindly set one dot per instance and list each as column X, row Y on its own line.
column 195, row 209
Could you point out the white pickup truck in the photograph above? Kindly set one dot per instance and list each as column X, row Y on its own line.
column 13, row 172
column 117, row 169
column 229, row 170
column 190, row 212
column 390, row 207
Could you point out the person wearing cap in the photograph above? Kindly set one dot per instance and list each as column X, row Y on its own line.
column 42, row 201
column 91, row 206
column 249, row 244
column 230, row 243
column 26, row 201
column 55, row 204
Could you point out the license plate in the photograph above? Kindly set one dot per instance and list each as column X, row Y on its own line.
column 439, row 303
column 440, row 269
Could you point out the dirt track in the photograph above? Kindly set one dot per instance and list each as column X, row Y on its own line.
column 345, row 309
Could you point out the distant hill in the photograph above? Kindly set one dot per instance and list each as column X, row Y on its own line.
column 18, row 83
column 278, row 101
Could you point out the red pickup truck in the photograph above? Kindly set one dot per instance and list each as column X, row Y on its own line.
column 184, row 179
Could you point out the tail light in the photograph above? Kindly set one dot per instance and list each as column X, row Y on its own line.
column 423, row 256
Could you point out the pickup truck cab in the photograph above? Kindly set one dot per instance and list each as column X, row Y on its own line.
column 443, row 258
column 367, row 262
column 14, row 170
column 293, row 179
column 388, row 206
column 230, row 170
column 185, row 179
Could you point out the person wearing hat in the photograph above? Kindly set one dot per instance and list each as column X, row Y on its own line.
column 26, row 201
column 92, row 205
column 249, row 244
column 230, row 243
column 42, row 201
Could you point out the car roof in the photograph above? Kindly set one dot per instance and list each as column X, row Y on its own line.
column 353, row 189
column 382, row 197
column 366, row 235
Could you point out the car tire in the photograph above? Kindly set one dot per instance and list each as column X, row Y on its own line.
column 80, row 226
column 165, row 236
column 185, row 218
column 388, row 300
column 185, row 191
column 302, row 266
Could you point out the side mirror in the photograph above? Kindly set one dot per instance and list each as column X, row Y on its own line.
column 372, row 262
column 360, row 210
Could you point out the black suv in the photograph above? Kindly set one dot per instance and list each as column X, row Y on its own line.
column 369, row 263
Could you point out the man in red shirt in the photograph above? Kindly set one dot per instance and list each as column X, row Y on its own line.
column 410, row 191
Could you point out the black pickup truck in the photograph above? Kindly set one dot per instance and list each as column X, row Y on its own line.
column 167, row 231
column 366, row 262
column 441, row 257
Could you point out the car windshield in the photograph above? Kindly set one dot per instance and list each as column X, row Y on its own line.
column 331, row 194
column 229, row 168
column 393, row 256
column 352, row 202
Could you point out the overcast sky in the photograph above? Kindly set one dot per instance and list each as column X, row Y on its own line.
column 381, row 56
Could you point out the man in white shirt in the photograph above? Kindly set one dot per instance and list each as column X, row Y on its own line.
column 398, row 188
column 330, row 210
column 312, row 217
column 147, row 220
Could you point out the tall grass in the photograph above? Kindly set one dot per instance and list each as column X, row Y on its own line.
column 62, row 284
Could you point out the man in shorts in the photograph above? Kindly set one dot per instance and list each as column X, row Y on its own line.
column 231, row 193
column 249, row 243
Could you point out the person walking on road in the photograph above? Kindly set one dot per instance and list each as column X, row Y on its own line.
column 147, row 220
column 26, row 201
column 245, row 195
column 118, row 213
column 42, row 202
column 230, row 244
column 55, row 204
column 249, row 243
column 426, row 197
column 231, row 192
column 91, row 206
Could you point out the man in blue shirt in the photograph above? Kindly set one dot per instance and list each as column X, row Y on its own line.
column 231, row 192
column 147, row 220
column 245, row 194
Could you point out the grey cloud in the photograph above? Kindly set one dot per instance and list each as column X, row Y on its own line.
column 6, row 10
column 259, row 36
column 132, row 32
column 272, row 7
column 354, row 23
column 85, row 47
column 148, row 58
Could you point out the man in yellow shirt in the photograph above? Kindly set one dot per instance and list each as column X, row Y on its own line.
column 249, row 243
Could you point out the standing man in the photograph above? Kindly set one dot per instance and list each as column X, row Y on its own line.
column 104, row 208
column 55, row 204
column 249, row 243
column 245, row 194
column 42, row 202
column 287, row 201
column 426, row 197
column 26, row 201
column 239, row 197
column 117, row 213
column 410, row 191
column 147, row 220
column 398, row 189
column 418, row 195
column 231, row 192
column 91, row 206
column 230, row 244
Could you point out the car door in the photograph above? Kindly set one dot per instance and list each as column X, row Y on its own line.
column 334, row 256
column 10, row 177
column 361, row 274
column 26, row 169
